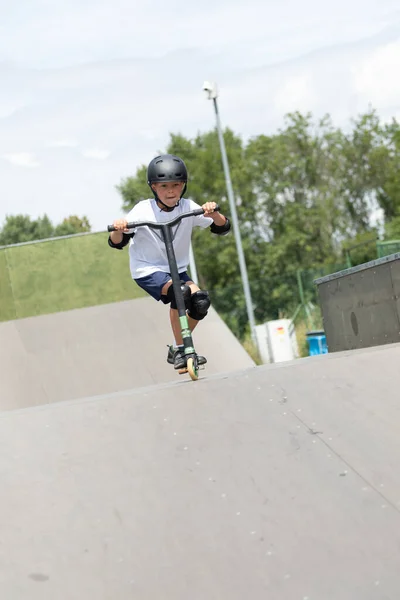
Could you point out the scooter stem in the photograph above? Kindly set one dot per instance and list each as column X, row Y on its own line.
column 176, row 282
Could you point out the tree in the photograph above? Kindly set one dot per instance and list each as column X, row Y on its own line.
column 71, row 225
column 21, row 228
column 385, row 161
column 392, row 229
column 302, row 164
column 362, row 175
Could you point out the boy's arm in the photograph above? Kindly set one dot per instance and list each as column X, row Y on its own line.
column 120, row 238
column 221, row 224
column 222, row 229
column 216, row 221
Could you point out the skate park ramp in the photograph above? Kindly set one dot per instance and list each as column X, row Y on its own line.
column 101, row 349
column 278, row 482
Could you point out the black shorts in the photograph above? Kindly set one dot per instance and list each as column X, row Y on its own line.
column 154, row 283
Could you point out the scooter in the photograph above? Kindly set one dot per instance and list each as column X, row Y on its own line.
column 190, row 354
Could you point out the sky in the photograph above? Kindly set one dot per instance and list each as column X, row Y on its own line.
column 90, row 91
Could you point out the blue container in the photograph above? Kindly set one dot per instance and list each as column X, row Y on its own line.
column 316, row 343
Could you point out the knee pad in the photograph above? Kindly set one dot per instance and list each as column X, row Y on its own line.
column 187, row 295
column 199, row 305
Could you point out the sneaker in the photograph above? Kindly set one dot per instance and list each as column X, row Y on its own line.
column 172, row 358
column 170, row 355
column 179, row 358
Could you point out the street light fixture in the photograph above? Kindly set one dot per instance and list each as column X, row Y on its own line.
column 212, row 91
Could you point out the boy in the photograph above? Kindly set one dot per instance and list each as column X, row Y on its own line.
column 167, row 178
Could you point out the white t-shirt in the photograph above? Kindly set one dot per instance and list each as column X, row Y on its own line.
column 147, row 252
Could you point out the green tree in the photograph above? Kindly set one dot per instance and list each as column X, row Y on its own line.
column 361, row 177
column 392, row 229
column 385, row 163
column 71, row 225
column 21, row 228
column 302, row 165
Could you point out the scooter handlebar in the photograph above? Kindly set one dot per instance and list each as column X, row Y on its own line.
column 192, row 213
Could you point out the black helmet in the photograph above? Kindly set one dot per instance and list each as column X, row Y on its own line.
column 166, row 167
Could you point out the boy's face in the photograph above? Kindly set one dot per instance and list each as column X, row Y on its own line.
column 168, row 192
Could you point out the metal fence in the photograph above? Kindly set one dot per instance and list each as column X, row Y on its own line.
column 387, row 248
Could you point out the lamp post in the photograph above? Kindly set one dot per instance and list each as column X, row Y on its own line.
column 212, row 91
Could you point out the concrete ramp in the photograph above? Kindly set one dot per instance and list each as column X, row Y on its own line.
column 101, row 349
column 276, row 482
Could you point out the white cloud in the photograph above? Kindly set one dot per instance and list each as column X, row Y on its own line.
column 296, row 93
column 63, row 144
column 53, row 34
column 96, row 153
column 21, row 159
column 7, row 110
column 377, row 77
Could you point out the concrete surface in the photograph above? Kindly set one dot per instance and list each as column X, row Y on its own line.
column 101, row 349
column 279, row 482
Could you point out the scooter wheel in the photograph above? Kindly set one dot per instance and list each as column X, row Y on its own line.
column 192, row 370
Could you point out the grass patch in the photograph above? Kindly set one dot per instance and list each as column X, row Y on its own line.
column 7, row 308
column 251, row 349
column 64, row 274
column 301, row 336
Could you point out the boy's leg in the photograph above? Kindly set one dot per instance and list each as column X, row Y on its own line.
column 174, row 317
column 176, row 326
column 194, row 288
column 156, row 285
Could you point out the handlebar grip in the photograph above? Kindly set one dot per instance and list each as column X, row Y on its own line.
column 200, row 211
column 128, row 226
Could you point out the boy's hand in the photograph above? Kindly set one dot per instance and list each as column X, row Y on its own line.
column 209, row 211
column 209, row 208
column 120, row 228
column 121, row 225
